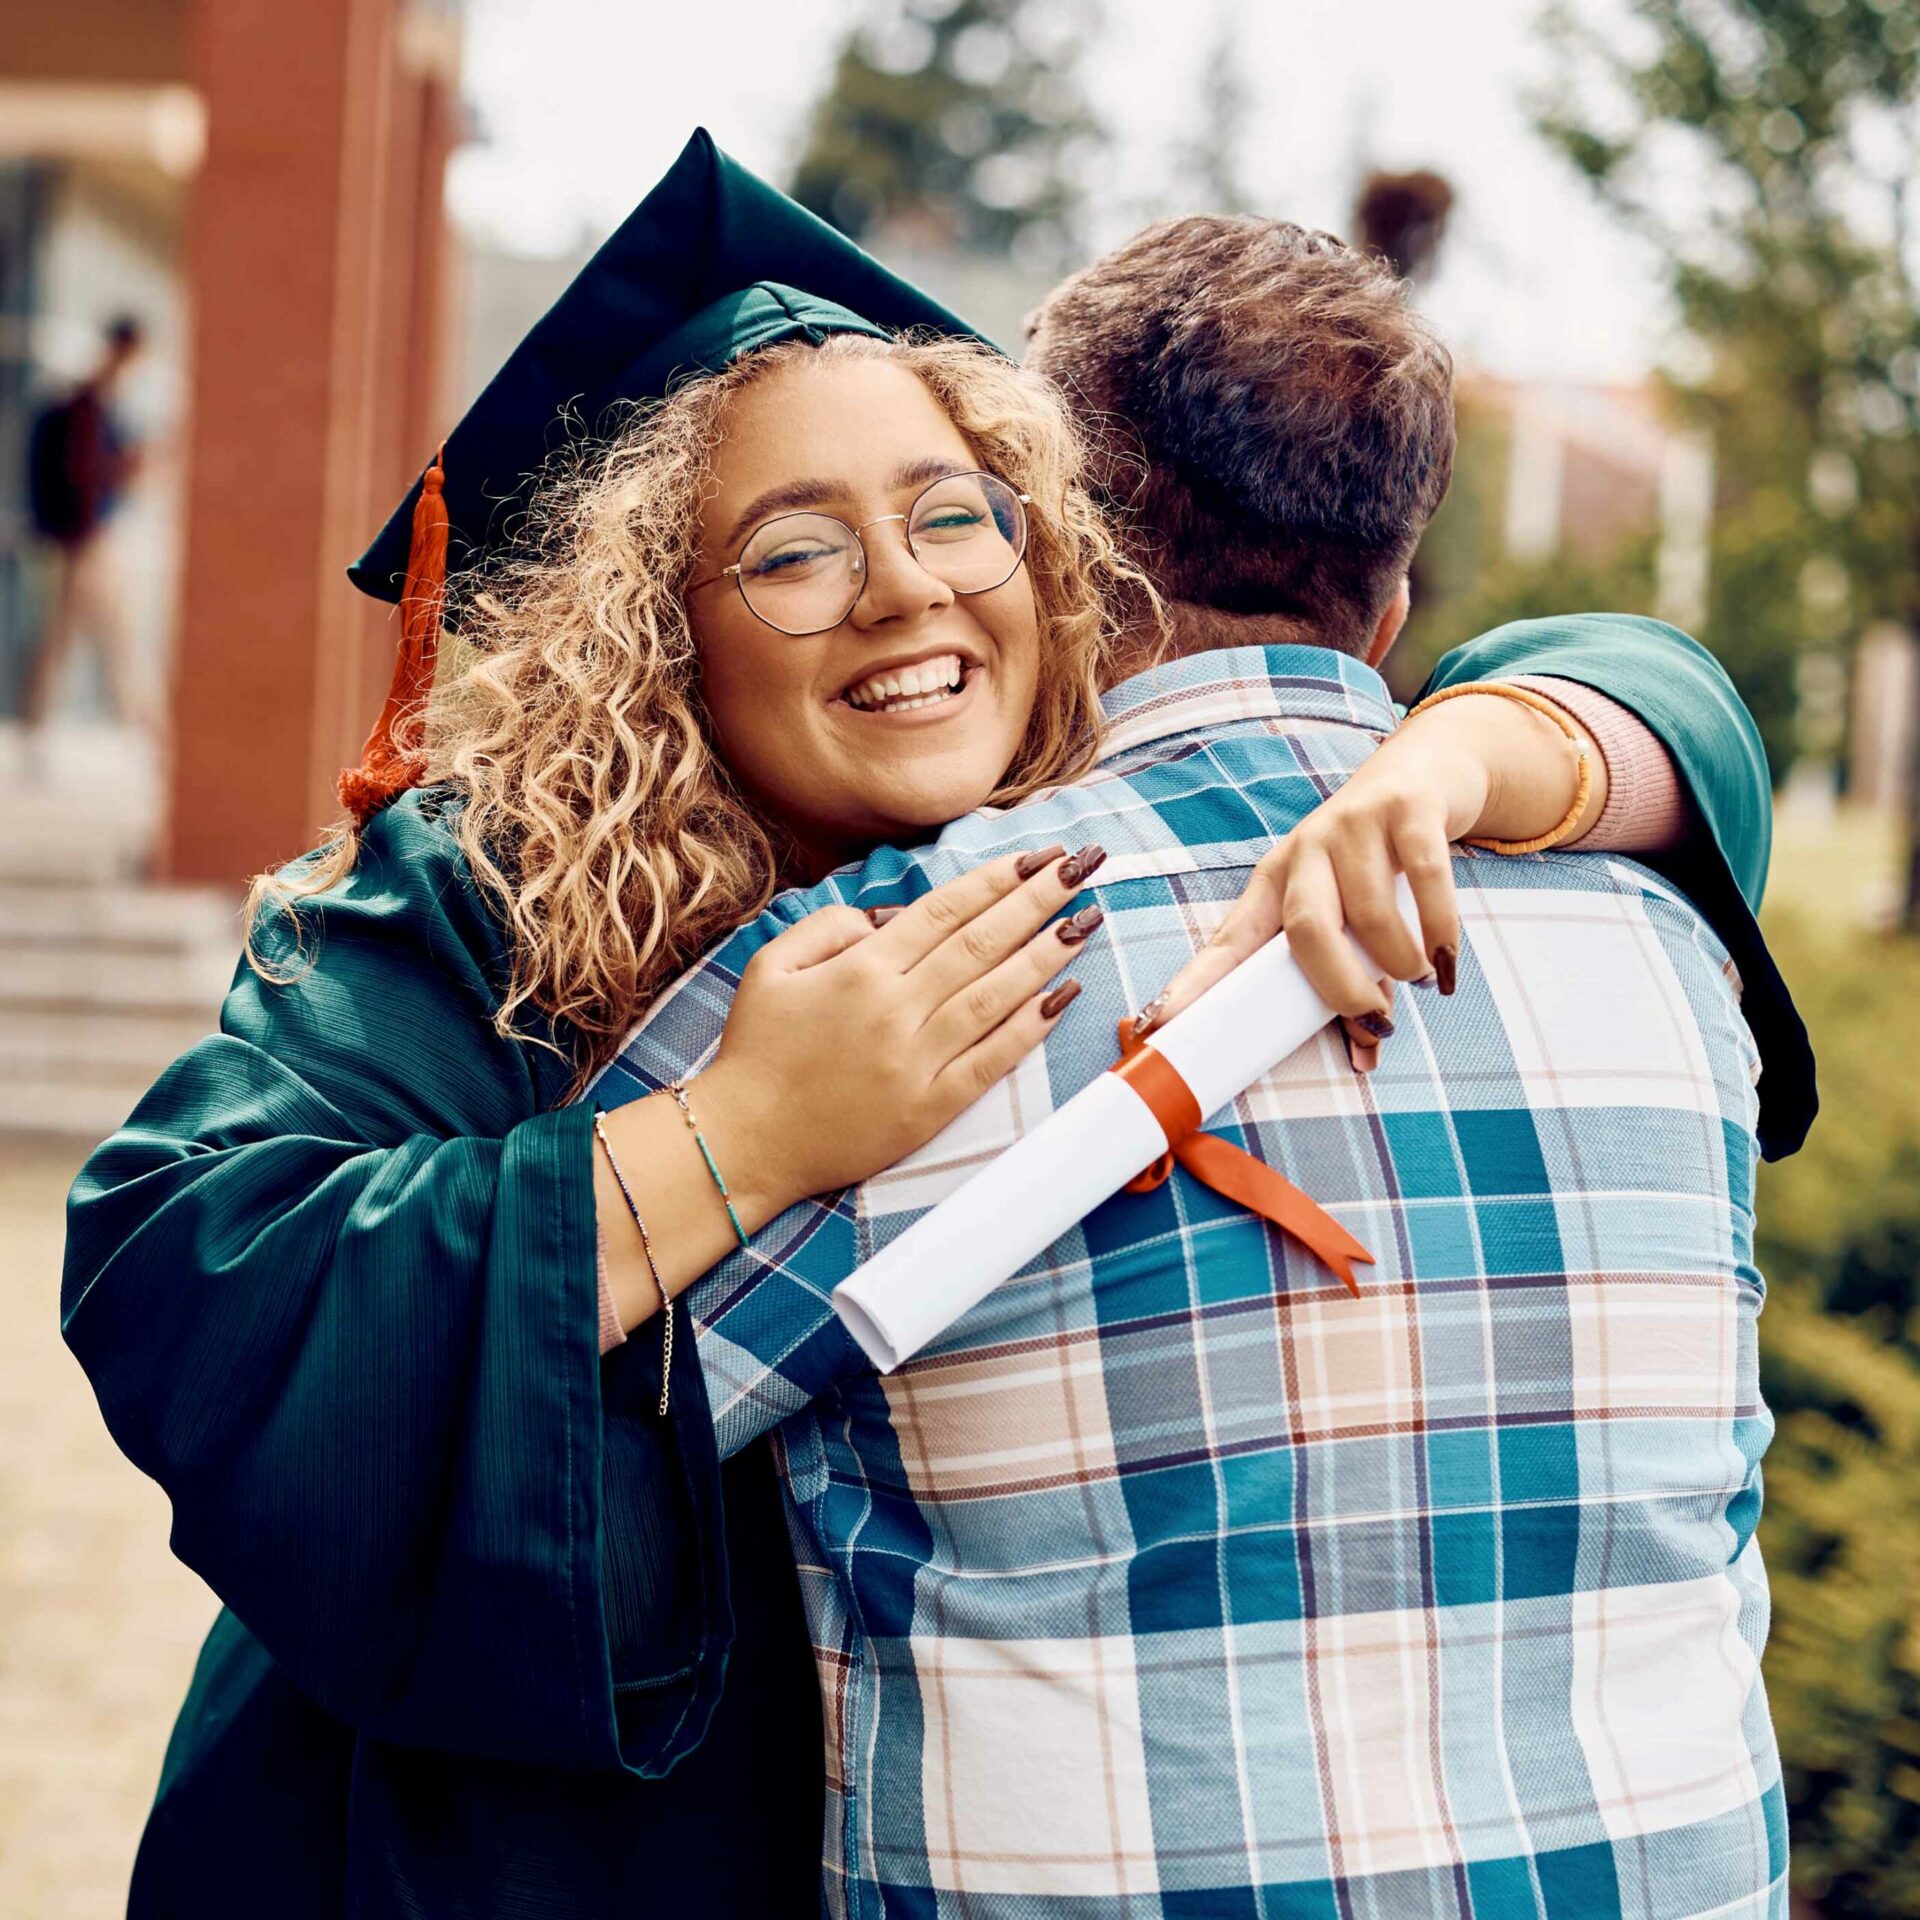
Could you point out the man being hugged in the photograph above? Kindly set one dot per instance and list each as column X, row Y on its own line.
column 1173, row 1579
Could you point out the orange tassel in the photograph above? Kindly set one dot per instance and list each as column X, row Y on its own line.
column 1227, row 1169
column 387, row 768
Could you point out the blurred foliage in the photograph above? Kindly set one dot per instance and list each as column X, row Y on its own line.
column 1466, row 582
column 957, row 123
column 1770, row 150
column 1839, row 1242
column 1209, row 160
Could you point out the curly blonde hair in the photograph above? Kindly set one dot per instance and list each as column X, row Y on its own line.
column 597, row 810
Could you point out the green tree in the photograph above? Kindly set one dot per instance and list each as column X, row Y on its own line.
column 1770, row 149
column 958, row 122
column 1209, row 160
column 1839, row 1242
column 1468, row 582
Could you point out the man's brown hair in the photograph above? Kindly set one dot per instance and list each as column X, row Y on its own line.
column 1273, row 423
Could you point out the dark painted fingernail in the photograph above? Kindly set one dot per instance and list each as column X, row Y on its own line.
column 1148, row 1017
column 1362, row 1055
column 1083, row 864
column 1076, row 928
column 881, row 915
column 1030, row 863
column 1059, row 999
column 1376, row 1024
column 1446, row 967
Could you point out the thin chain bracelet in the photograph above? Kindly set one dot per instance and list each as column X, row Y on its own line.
column 678, row 1088
column 646, row 1245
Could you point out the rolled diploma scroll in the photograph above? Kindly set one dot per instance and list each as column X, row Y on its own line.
column 957, row 1252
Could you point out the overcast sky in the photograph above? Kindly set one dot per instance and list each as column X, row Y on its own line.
column 581, row 104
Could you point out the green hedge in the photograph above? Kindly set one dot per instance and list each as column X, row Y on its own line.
column 1840, row 1355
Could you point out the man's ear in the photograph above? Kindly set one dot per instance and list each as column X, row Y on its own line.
column 1388, row 631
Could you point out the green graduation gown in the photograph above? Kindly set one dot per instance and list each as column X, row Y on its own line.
column 334, row 1285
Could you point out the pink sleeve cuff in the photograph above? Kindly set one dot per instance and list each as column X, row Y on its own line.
column 1646, row 808
column 612, row 1333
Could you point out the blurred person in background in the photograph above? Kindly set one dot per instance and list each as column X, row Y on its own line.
column 82, row 459
column 353, row 1283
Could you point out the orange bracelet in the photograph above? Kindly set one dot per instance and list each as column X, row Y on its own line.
column 1583, row 785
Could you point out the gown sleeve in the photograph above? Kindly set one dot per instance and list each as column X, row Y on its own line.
column 334, row 1285
column 1685, row 698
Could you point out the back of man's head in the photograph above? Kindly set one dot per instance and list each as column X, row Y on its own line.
column 1270, row 418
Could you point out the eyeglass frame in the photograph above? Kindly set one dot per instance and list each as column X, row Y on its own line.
column 860, row 565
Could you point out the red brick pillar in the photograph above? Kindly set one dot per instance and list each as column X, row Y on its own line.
column 316, row 253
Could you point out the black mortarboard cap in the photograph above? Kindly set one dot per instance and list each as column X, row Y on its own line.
column 713, row 263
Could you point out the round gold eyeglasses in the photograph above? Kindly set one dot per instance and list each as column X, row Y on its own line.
column 802, row 573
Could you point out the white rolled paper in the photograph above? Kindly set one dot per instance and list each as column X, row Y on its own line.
column 957, row 1252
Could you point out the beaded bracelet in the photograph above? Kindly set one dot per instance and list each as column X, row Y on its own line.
column 1583, row 785
column 646, row 1245
column 678, row 1088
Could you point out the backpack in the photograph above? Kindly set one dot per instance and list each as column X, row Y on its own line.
column 63, row 503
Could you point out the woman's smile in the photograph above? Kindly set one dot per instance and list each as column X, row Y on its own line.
column 919, row 690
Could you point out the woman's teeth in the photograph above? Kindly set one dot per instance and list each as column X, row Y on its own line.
column 905, row 688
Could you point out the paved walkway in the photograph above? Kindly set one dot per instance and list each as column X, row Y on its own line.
column 99, row 1624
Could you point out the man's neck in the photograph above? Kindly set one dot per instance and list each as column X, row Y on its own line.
column 1192, row 628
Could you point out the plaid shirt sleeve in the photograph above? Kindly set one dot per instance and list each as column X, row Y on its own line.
column 769, row 1340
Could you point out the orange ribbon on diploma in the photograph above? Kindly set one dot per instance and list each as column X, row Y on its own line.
column 1227, row 1169
column 1146, row 1112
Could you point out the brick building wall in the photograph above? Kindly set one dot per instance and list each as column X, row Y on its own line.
column 317, row 257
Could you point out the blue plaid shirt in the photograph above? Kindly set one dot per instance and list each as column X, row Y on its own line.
column 1174, row 1581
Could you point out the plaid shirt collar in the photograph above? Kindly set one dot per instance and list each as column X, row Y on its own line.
column 1202, row 692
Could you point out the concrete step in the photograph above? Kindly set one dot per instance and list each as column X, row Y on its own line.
column 71, row 838
column 48, row 914
column 113, row 978
column 58, row 854
column 80, row 803
column 65, row 1109
column 103, row 980
column 96, row 1045
column 86, row 1029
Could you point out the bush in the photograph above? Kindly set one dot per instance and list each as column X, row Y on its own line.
column 1839, row 1228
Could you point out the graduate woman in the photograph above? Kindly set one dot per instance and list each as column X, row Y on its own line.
column 337, row 1280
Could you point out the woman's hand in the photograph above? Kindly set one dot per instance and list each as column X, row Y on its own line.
column 850, row 1044
column 853, row 1039
column 1489, row 767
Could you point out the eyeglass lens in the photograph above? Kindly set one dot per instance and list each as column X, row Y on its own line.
column 802, row 572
